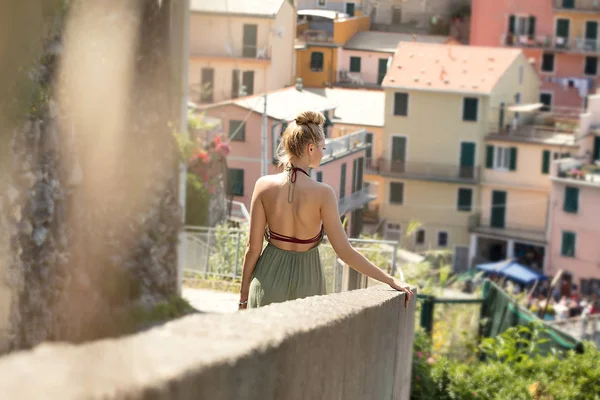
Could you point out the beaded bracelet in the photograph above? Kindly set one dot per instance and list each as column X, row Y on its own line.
column 241, row 303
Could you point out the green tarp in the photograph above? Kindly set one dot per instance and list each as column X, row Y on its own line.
column 499, row 312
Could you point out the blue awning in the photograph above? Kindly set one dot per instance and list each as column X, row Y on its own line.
column 513, row 271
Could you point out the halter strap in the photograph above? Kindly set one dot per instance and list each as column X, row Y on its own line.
column 293, row 171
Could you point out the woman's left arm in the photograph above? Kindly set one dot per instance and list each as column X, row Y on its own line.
column 258, row 223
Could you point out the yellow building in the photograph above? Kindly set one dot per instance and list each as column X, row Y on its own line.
column 441, row 101
column 240, row 47
column 320, row 35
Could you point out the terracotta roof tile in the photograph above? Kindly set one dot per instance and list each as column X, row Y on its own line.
column 448, row 68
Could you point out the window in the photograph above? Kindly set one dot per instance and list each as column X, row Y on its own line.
column 235, row 181
column 567, row 248
column 442, row 239
column 343, row 181
column 249, row 41
column 571, row 203
column 369, row 150
column 401, row 104
column 321, row 3
column 354, row 64
column 396, row 193
column 501, row 158
column 470, row 108
column 248, row 83
column 392, row 231
column 546, row 100
column 316, row 61
column 237, row 131
column 235, row 84
column 591, row 65
column 420, row 237
column 548, row 62
column 320, row 176
column 521, row 72
column 207, row 85
column 465, row 199
column 546, row 154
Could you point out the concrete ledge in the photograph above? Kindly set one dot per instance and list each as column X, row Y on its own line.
column 351, row 345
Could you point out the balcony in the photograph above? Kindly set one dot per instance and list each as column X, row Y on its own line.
column 528, row 123
column 353, row 80
column 343, row 145
column 359, row 198
column 245, row 53
column 423, row 171
column 591, row 6
column 530, row 233
column 577, row 170
column 316, row 36
column 556, row 43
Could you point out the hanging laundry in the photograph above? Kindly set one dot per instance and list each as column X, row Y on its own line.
column 583, row 85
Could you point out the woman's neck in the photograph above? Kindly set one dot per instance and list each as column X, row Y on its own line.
column 300, row 164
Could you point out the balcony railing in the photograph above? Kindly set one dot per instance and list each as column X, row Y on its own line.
column 477, row 222
column 359, row 198
column 340, row 146
column 578, row 44
column 577, row 5
column 534, row 133
column 580, row 170
column 354, row 79
column 316, row 36
column 423, row 170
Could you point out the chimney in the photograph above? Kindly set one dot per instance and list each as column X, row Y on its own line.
column 299, row 85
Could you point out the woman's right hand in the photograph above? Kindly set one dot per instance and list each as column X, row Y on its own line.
column 403, row 287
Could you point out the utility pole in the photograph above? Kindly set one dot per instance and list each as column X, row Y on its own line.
column 264, row 137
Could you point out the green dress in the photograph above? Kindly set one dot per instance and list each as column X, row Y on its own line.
column 282, row 275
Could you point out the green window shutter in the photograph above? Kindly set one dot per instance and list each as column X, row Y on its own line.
column 571, row 202
column 235, row 181
column 465, row 199
column 513, row 159
column 546, row 155
column 397, row 193
column 531, row 26
column 343, row 181
column 511, row 24
column 401, row 104
column 568, row 244
column 316, row 61
column 354, row 64
column 237, row 131
column 470, row 105
column 489, row 156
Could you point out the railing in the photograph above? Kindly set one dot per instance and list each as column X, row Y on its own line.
column 423, row 170
column 533, row 132
column 359, row 198
column 551, row 42
column 316, row 36
column 579, row 5
column 344, row 144
column 477, row 221
column 219, row 252
column 577, row 169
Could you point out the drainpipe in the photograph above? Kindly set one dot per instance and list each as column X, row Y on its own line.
column 184, row 14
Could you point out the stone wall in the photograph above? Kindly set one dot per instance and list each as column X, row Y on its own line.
column 351, row 345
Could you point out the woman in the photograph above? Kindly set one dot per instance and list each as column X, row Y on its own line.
column 292, row 211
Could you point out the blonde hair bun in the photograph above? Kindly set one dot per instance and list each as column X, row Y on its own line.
column 307, row 129
column 310, row 117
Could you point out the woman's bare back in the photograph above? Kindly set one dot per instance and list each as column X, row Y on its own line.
column 300, row 218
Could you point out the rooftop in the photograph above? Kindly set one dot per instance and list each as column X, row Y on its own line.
column 355, row 106
column 448, row 68
column 286, row 103
column 258, row 8
column 387, row 42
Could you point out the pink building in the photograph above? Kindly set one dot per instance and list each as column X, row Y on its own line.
column 560, row 36
column 342, row 167
column 574, row 212
column 364, row 58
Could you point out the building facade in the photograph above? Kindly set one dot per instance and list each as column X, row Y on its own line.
column 574, row 212
column 240, row 47
column 440, row 102
column 343, row 163
column 561, row 36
